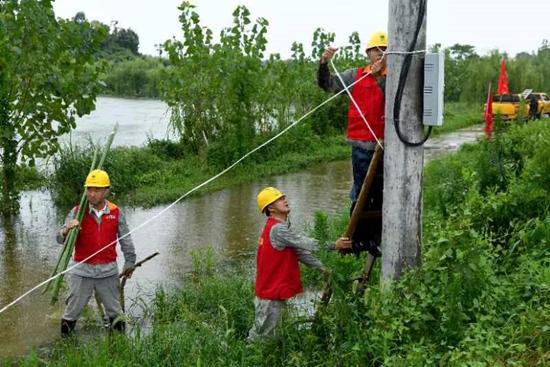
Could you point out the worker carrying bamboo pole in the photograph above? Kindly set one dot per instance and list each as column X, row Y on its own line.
column 103, row 224
column 368, row 93
column 277, row 269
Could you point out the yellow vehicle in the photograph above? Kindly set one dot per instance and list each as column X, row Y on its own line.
column 543, row 102
column 509, row 106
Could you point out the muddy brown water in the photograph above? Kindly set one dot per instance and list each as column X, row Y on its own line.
column 226, row 220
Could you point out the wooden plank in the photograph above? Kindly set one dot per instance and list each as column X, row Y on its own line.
column 364, row 194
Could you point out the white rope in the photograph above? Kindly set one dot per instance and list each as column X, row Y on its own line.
column 388, row 52
column 181, row 197
column 346, row 88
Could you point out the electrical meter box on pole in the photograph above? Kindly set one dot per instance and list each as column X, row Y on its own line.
column 434, row 81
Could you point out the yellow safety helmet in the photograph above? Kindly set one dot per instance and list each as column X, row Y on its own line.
column 268, row 196
column 378, row 39
column 97, row 178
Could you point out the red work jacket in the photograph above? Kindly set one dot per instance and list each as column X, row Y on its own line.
column 370, row 98
column 94, row 236
column 277, row 271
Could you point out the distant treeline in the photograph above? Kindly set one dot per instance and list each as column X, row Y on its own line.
column 127, row 73
column 467, row 74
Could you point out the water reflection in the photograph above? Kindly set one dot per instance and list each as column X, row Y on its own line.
column 26, row 258
column 10, row 259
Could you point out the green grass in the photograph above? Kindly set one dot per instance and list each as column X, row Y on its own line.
column 480, row 298
column 458, row 116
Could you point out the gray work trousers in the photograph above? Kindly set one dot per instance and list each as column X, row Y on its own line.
column 82, row 289
column 268, row 316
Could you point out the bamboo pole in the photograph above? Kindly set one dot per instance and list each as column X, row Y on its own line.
column 70, row 240
column 69, row 235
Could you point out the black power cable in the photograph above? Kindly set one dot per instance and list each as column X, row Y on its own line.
column 403, row 79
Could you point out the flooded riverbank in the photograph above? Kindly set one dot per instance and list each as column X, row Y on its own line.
column 226, row 220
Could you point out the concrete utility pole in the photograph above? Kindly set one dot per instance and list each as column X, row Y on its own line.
column 402, row 214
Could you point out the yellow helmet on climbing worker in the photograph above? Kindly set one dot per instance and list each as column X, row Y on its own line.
column 378, row 39
column 268, row 196
column 97, row 178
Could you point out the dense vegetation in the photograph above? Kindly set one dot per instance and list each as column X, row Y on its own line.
column 481, row 297
column 48, row 77
column 218, row 119
column 127, row 73
column 482, row 294
column 467, row 73
column 163, row 170
column 228, row 96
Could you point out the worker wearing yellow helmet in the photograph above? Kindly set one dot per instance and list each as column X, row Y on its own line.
column 102, row 227
column 368, row 91
column 280, row 249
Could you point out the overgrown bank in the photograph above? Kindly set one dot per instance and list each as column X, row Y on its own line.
column 481, row 297
column 161, row 171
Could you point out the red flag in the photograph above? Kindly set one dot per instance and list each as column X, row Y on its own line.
column 502, row 79
column 488, row 115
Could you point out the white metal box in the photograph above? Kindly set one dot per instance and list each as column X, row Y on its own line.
column 434, row 82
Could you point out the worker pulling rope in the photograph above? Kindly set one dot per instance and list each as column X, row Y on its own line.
column 213, row 178
column 143, row 224
column 346, row 88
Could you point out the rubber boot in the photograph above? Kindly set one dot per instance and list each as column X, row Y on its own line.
column 67, row 328
column 118, row 326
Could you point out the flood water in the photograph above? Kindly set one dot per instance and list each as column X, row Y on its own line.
column 138, row 120
column 226, row 220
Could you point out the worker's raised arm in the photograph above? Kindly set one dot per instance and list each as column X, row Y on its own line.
column 331, row 83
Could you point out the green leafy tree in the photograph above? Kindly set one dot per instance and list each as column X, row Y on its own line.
column 468, row 74
column 227, row 96
column 457, row 74
column 321, row 40
column 213, row 88
column 48, row 77
column 125, row 39
column 190, row 86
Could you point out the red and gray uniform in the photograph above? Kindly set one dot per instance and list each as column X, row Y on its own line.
column 278, row 272
column 100, row 273
column 368, row 92
column 101, row 265
column 369, row 95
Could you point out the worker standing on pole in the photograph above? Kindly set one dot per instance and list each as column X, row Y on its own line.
column 277, row 269
column 103, row 224
column 369, row 94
